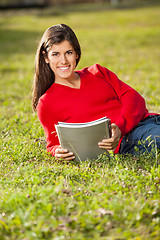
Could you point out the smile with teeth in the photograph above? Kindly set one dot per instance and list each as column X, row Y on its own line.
column 63, row 69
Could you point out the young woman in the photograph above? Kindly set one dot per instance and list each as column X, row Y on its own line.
column 63, row 94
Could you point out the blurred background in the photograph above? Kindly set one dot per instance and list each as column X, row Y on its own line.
column 44, row 3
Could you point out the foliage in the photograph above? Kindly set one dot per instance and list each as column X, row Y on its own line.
column 115, row 198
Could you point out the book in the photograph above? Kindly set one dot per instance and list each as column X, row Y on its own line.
column 82, row 138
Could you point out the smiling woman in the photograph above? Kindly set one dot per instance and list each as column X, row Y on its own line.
column 62, row 60
column 50, row 52
column 65, row 95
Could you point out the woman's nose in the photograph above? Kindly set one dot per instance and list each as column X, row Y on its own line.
column 63, row 59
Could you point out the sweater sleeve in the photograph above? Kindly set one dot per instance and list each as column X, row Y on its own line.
column 47, row 120
column 133, row 108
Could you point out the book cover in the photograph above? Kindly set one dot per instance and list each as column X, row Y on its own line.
column 82, row 138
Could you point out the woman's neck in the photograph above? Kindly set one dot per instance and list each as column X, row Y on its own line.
column 74, row 82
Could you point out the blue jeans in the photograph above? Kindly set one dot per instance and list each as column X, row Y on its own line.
column 145, row 137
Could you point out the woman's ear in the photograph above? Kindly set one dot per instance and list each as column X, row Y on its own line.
column 45, row 57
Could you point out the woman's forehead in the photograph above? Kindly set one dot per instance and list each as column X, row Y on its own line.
column 64, row 45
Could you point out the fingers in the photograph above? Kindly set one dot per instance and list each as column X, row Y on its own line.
column 63, row 154
column 67, row 157
column 116, row 132
column 108, row 144
column 113, row 126
column 111, row 143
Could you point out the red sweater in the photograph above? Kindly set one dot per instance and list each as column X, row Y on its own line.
column 101, row 94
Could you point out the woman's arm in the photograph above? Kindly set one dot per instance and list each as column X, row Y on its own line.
column 133, row 108
column 48, row 120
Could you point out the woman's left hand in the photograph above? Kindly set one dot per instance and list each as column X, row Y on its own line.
column 111, row 143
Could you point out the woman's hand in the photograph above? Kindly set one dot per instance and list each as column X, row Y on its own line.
column 111, row 143
column 63, row 154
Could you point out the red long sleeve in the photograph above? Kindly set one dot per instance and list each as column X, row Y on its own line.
column 133, row 107
column 101, row 94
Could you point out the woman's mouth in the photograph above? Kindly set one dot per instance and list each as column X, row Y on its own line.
column 64, row 69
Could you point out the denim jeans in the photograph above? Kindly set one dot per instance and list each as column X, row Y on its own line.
column 145, row 137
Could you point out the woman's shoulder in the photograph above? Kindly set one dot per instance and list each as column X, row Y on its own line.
column 93, row 69
column 46, row 98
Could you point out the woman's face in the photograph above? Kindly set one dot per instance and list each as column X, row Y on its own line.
column 62, row 60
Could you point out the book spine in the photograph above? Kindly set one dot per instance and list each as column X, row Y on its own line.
column 108, row 128
column 58, row 129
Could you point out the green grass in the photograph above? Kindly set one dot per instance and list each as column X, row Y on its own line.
column 105, row 199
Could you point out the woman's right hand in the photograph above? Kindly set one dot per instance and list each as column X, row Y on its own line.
column 63, row 154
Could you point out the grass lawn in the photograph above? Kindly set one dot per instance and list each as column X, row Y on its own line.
column 105, row 199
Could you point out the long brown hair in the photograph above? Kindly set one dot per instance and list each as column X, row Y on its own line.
column 44, row 76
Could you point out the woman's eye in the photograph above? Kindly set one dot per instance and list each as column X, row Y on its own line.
column 55, row 54
column 69, row 53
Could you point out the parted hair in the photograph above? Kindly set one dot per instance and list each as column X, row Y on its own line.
column 44, row 77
